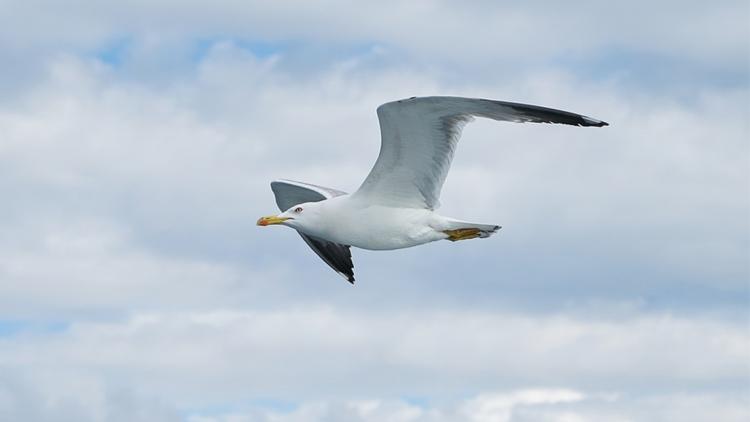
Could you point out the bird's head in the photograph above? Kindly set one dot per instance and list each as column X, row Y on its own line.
column 298, row 217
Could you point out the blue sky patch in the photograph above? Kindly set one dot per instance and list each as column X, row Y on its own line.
column 13, row 327
column 114, row 53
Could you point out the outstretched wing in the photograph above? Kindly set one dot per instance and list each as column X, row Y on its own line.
column 289, row 193
column 419, row 137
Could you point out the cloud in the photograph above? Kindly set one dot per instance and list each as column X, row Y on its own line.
column 166, row 181
column 639, row 43
column 63, row 395
column 429, row 29
column 500, row 407
column 136, row 147
column 233, row 354
column 187, row 363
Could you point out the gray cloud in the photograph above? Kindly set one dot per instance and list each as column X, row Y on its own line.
column 136, row 147
column 430, row 28
column 175, row 179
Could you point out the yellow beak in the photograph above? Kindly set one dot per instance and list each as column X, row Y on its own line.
column 271, row 219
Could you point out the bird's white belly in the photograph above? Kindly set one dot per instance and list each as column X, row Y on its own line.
column 382, row 228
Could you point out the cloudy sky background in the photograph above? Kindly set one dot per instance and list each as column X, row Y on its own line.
column 136, row 146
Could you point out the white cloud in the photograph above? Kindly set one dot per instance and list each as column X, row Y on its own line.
column 189, row 363
column 92, row 266
column 547, row 406
column 616, row 291
column 288, row 352
column 499, row 406
column 487, row 32
column 174, row 176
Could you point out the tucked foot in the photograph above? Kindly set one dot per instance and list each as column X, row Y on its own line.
column 462, row 234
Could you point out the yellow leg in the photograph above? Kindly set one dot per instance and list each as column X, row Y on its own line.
column 461, row 234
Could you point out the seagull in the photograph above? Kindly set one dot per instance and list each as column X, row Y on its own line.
column 395, row 206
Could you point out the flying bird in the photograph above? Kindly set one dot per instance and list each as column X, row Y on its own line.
column 395, row 206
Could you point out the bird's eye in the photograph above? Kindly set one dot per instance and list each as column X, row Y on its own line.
column 298, row 210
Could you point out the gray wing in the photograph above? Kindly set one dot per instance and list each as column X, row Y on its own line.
column 419, row 136
column 289, row 193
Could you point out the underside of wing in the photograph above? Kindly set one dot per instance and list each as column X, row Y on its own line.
column 419, row 137
column 337, row 256
column 289, row 193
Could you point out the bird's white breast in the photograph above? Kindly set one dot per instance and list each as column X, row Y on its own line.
column 347, row 221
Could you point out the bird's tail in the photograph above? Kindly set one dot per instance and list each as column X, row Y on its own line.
column 463, row 230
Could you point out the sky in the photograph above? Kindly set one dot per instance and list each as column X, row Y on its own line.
column 138, row 140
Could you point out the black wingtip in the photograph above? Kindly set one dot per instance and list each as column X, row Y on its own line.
column 348, row 276
column 588, row 121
